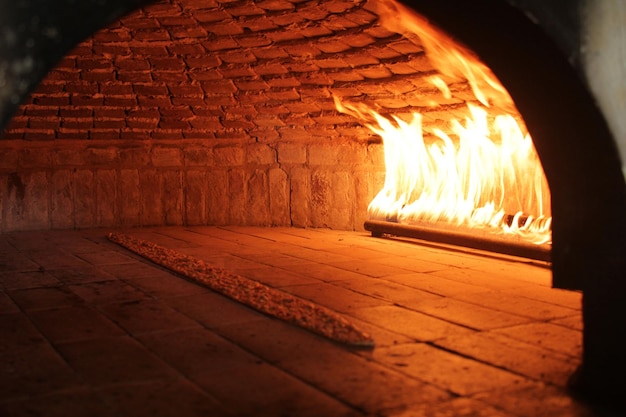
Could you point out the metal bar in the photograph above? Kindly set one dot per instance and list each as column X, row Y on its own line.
column 470, row 239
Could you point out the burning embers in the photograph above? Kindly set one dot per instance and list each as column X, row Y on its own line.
column 482, row 172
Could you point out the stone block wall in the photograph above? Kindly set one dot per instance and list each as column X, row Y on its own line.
column 214, row 112
column 97, row 183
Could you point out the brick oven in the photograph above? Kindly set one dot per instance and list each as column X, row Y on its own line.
column 233, row 103
column 190, row 112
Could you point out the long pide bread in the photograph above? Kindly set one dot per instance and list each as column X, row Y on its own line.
column 271, row 301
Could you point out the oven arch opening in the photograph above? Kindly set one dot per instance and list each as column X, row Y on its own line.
column 588, row 190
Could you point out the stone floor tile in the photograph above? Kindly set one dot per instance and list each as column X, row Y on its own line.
column 81, row 275
column 17, row 332
column 437, row 254
column 411, row 264
column 286, row 342
column 45, row 298
column 434, row 284
column 234, row 235
column 334, row 297
column 417, row 326
column 469, row 315
column 519, row 357
column 161, row 230
column 369, row 268
column 105, row 257
column 393, row 246
column 272, row 232
column 329, row 236
column 104, row 292
column 456, row 407
column 97, row 234
column 322, row 242
column 147, row 315
column 540, row 400
column 254, row 252
column 445, row 370
column 237, row 264
column 154, row 235
column 225, row 260
column 5, row 245
column 380, row 335
column 87, row 240
column 517, row 271
column 362, row 253
column 137, row 269
column 303, row 234
column 28, row 240
column 268, row 233
column 6, row 304
column 214, row 310
column 574, row 322
column 313, row 255
column 360, row 238
column 328, row 273
column 277, row 277
column 547, row 335
column 316, row 239
column 269, row 257
column 388, row 290
column 53, row 258
column 114, row 360
column 164, row 285
column 209, row 246
column 68, row 324
column 486, row 280
column 269, row 392
column 335, row 369
column 12, row 261
column 78, row 245
column 565, row 298
column 32, row 370
column 508, row 302
column 177, row 397
column 21, row 280
column 191, row 235
column 198, row 351
column 78, row 402
column 261, row 253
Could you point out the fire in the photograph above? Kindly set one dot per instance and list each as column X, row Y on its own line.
column 483, row 172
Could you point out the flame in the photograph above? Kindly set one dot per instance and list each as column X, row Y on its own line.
column 447, row 55
column 483, row 172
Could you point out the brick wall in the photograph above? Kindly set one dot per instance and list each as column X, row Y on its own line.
column 213, row 112
column 74, row 183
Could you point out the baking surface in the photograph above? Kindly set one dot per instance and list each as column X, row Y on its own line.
column 92, row 328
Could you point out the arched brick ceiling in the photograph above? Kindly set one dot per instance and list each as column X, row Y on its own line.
column 262, row 71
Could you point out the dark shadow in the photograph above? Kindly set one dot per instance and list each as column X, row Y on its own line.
column 36, row 34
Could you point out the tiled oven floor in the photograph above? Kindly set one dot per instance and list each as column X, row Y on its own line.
column 89, row 329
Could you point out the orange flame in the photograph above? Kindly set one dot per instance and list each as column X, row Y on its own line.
column 483, row 173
